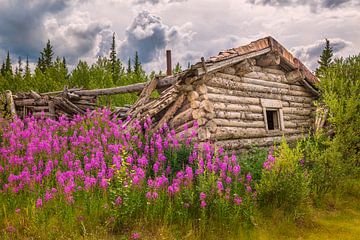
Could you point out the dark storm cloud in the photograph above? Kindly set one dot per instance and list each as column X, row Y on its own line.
column 22, row 28
column 309, row 54
column 314, row 4
column 26, row 26
column 148, row 35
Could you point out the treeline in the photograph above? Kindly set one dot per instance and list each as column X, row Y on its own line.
column 51, row 74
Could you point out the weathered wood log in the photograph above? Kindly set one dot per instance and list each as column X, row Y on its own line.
column 269, row 59
column 238, row 107
column 185, row 88
column 214, row 97
column 254, row 95
column 229, row 70
column 261, row 142
column 239, row 115
column 298, row 124
column 182, row 118
column 224, row 63
column 201, row 89
column 266, row 76
column 238, row 133
column 34, row 95
column 297, row 111
column 249, row 87
column 170, row 112
column 192, row 96
column 204, row 134
column 40, row 108
column 294, row 76
column 30, row 102
column 43, row 114
column 198, row 113
column 207, row 106
column 168, row 81
column 293, row 117
column 245, row 67
column 195, row 104
column 239, row 123
column 211, row 126
column 10, row 102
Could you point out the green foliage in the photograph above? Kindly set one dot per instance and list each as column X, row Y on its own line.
column 45, row 61
column 325, row 59
column 340, row 92
column 252, row 162
column 285, row 184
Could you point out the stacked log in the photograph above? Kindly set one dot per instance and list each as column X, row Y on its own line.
column 52, row 104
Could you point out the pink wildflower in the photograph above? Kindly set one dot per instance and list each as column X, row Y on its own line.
column 39, row 202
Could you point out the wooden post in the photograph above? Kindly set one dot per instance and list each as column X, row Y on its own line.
column 10, row 102
column 168, row 63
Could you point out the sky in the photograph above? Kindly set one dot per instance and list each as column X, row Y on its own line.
column 83, row 29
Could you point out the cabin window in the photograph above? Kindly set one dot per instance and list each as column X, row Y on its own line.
column 273, row 114
column 272, row 119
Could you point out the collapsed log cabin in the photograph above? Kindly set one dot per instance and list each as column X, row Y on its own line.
column 253, row 94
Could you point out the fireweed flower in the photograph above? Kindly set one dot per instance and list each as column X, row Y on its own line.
column 202, row 196
column 118, row 201
column 202, row 204
column 248, row 177
column 39, row 203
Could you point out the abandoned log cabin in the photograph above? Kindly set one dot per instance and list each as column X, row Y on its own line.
column 253, row 94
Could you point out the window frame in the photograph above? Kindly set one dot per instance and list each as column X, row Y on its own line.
column 273, row 105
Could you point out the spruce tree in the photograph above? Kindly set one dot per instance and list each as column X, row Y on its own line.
column 137, row 64
column 27, row 74
column 8, row 67
column 45, row 61
column 128, row 71
column 325, row 59
column 2, row 70
column 65, row 67
column 20, row 68
column 115, row 62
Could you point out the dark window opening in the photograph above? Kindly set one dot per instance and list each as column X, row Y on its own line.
column 272, row 119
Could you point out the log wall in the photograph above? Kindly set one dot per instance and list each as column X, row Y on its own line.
column 237, row 97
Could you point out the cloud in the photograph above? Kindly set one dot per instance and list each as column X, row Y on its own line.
column 310, row 54
column 76, row 36
column 155, row 2
column 26, row 26
column 314, row 4
column 149, row 36
column 22, row 28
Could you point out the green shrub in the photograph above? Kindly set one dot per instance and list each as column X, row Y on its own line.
column 252, row 162
column 284, row 184
column 323, row 160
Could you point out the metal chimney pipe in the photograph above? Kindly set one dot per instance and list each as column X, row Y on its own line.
column 168, row 63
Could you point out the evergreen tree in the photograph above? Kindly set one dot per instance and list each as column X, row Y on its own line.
column 27, row 75
column 45, row 60
column 128, row 71
column 325, row 59
column 65, row 67
column 8, row 67
column 137, row 64
column 116, row 67
column 177, row 68
column 20, row 68
column 2, row 70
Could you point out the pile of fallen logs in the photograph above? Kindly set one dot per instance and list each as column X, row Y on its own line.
column 70, row 102
column 51, row 104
